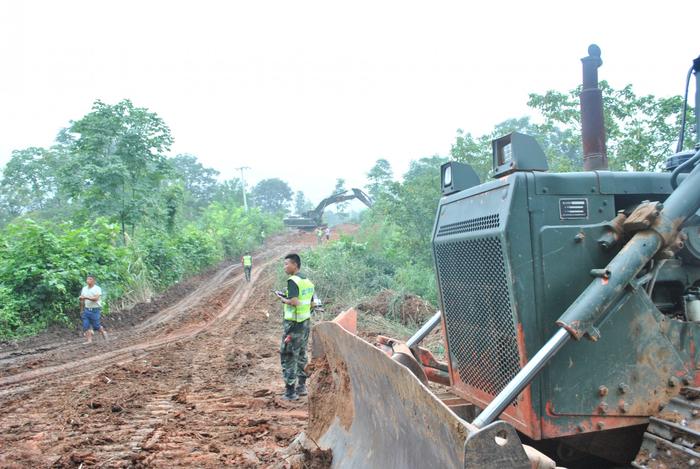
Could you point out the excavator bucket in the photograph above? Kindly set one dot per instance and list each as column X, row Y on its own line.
column 371, row 411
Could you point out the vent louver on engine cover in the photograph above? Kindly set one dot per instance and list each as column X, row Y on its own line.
column 481, row 328
column 475, row 224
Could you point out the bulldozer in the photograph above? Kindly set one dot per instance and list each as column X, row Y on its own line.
column 569, row 305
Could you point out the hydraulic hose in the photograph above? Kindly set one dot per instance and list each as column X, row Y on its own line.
column 676, row 172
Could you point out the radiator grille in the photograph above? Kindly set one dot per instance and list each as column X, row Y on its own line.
column 481, row 330
column 474, row 224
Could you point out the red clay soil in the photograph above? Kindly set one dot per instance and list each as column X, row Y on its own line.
column 194, row 384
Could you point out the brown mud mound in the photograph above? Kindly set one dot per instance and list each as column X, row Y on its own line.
column 241, row 362
column 330, row 396
column 408, row 309
column 304, row 453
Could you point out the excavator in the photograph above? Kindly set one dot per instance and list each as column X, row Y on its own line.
column 312, row 219
column 569, row 305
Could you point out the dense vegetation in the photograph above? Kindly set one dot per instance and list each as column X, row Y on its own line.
column 392, row 248
column 106, row 200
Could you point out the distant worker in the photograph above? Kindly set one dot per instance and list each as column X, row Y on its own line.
column 319, row 235
column 90, row 309
column 328, row 233
column 297, row 313
column 247, row 261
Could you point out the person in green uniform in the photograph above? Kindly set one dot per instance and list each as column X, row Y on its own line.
column 247, row 261
column 297, row 302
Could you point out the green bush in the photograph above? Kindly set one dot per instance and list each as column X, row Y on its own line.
column 345, row 270
column 42, row 269
column 43, row 266
column 161, row 257
column 417, row 279
column 236, row 230
column 198, row 249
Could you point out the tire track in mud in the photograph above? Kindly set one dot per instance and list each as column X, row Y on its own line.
column 199, row 396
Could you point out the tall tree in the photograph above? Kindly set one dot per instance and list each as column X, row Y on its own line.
column 301, row 203
column 414, row 204
column 641, row 130
column 230, row 193
column 199, row 183
column 379, row 178
column 341, row 207
column 118, row 161
column 272, row 195
column 29, row 181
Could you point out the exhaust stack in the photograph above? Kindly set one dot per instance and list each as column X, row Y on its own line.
column 592, row 126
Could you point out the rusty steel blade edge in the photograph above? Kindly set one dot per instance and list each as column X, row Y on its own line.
column 373, row 412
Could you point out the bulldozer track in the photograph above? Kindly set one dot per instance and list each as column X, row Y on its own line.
column 672, row 438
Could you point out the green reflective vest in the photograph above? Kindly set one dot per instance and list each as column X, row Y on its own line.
column 247, row 261
column 306, row 292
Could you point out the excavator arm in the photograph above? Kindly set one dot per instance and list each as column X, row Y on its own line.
column 313, row 218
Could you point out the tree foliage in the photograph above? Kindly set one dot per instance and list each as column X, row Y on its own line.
column 379, row 178
column 229, row 193
column 341, row 207
column 106, row 200
column 29, row 181
column 117, row 161
column 301, row 203
column 641, row 131
column 272, row 195
column 559, row 147
column 199, row 183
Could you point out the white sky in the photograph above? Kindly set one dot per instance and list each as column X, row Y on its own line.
column 312, row 91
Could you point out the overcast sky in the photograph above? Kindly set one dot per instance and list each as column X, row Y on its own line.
column 313, row 91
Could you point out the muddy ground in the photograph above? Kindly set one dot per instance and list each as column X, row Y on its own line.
column 189, row 380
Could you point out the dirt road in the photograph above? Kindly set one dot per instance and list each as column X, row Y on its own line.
column 196, row 384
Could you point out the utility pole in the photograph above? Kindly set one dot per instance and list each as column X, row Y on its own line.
column 245, row 202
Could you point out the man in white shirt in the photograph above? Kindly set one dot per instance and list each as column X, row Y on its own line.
column 90, row 308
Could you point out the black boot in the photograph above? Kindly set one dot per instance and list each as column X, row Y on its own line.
column 289, row 394
column 301, row 387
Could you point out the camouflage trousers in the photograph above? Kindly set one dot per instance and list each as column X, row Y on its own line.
column 293, row 354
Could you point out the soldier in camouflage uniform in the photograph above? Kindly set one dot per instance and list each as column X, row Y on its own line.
column 297, row 318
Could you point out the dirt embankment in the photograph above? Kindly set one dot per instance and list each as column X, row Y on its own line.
column 408, row 309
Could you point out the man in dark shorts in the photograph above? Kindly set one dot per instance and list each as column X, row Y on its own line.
column 90, row 309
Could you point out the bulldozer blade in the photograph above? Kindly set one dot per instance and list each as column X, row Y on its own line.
column 371, row 411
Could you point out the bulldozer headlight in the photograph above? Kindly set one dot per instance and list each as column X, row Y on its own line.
column 447, row 176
